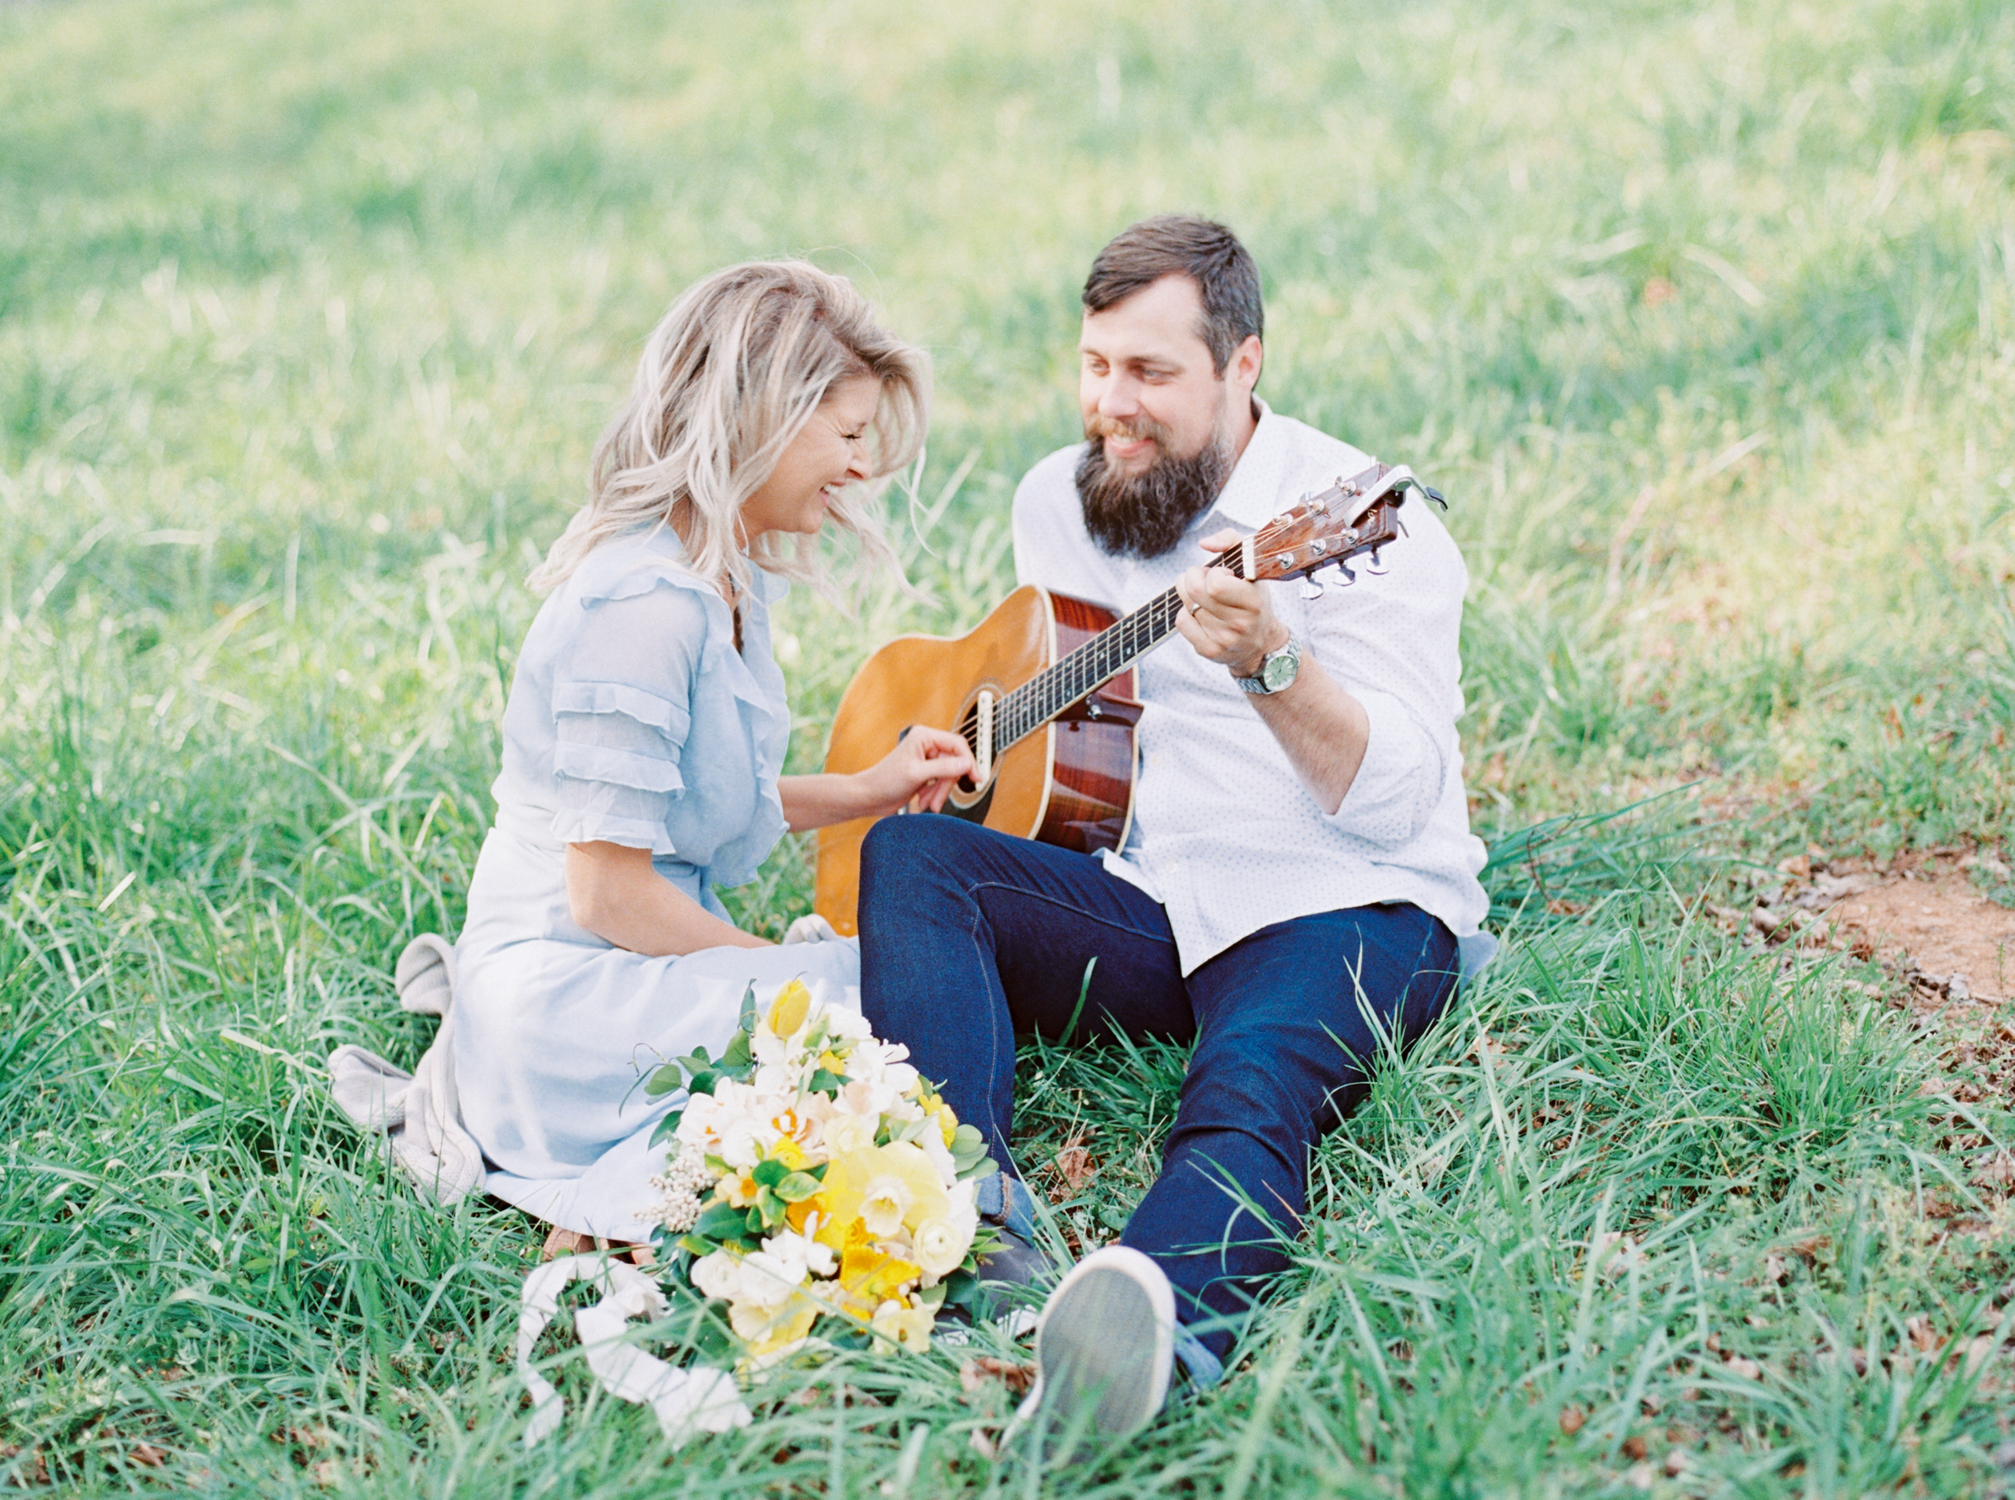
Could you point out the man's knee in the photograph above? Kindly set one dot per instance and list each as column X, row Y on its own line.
column 1252, row 1088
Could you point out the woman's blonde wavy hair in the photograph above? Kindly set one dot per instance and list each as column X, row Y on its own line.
column 729, row 377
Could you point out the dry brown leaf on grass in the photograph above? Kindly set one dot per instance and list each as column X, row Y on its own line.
column 32, row 1469
column 1923, row 1336
column 1995, row 1171
column 1572, row 1419
column 975, row 1375
column 1075, row 1166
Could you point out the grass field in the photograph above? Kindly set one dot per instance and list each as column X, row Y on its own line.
column 1704, row 317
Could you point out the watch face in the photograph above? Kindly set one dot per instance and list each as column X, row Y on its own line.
column 1279, row 670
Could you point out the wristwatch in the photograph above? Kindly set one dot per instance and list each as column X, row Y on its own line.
column 1276, row 672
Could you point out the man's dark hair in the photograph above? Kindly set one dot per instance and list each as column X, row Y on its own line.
column 1184, row 245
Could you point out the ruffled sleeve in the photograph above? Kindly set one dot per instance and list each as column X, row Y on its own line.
column 622, row 706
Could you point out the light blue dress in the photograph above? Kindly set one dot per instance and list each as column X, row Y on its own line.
column 632, row 720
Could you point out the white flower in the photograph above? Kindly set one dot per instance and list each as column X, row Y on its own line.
column 796, row 1253
column 941, row 1244
column 768, row 1047
column 718, row 1275
column 849, row 1025
column 845, row 1132
column 883, row 1203
column 769, row 1279
column 735, row 1122
column 933, row 1142
column 801, row 1249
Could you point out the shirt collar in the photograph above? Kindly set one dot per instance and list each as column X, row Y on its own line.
column 1252, row 496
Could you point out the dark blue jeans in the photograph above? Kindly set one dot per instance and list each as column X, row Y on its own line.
column 969, row 936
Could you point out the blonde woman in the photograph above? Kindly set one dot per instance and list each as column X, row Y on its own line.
column 645, row 734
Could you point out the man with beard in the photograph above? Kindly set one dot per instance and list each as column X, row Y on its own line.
column 1298, row 887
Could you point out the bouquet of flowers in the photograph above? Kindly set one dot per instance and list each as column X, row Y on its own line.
column 820, row 1188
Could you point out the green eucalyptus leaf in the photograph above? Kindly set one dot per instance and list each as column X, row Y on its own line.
column 797, row 1187
column 720, row 1221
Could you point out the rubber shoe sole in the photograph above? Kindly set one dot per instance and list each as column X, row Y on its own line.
column 1104, row 1351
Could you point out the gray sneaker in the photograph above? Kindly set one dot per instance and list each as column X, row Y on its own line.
column 1104, row 1351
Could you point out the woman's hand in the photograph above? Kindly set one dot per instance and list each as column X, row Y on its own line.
column 922, row 769
column 924, row 766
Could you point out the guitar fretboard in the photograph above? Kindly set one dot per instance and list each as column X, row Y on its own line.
column 1093, row 664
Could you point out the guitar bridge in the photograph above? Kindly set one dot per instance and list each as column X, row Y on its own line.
column 983, row 752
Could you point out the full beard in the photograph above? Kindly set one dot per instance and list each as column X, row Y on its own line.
column 1144, row 515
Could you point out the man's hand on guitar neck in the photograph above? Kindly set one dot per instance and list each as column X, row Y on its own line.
column 1231, row 622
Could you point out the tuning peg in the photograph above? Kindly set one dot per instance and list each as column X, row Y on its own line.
column 1310, row 589
column 1349, row 577
column 1376, row 568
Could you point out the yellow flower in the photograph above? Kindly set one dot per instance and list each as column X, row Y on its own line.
column 834, row 1065
column 947, row 1122
column 869, row 1276
column 767, row 1332
column 906, row 1189
column 798, row 1214
column 739, row 1190
column 788, row 1010
column 788, row 1151
column 898, row 1326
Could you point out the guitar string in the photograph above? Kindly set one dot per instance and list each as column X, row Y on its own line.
column 1051, row 692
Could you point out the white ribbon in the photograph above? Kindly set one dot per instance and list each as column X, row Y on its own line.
column 687, row 1402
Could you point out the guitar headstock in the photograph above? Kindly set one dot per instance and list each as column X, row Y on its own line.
column 1353, row 516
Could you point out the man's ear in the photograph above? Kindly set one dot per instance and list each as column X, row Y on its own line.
column 1246, row 362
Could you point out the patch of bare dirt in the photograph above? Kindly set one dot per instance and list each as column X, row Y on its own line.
column 1930, row 921
column 1922, row 916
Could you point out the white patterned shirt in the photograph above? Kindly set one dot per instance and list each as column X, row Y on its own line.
column 1225, row 833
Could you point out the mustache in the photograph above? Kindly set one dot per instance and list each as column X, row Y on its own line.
column 1099, row 428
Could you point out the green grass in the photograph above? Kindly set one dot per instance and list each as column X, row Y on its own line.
column 1704, row 316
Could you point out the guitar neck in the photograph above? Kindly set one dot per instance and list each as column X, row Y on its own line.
column 1092, row 665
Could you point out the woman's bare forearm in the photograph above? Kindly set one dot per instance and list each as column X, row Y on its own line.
column 614, row 893
column 822, row 800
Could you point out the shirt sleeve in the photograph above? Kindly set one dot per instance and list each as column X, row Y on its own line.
column 622, row 706
column 1392, row 641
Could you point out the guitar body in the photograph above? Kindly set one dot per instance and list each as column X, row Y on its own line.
column 1043, row 690
column 1070, row 783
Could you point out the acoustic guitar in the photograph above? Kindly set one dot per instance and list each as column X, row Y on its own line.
column 1043, row 689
